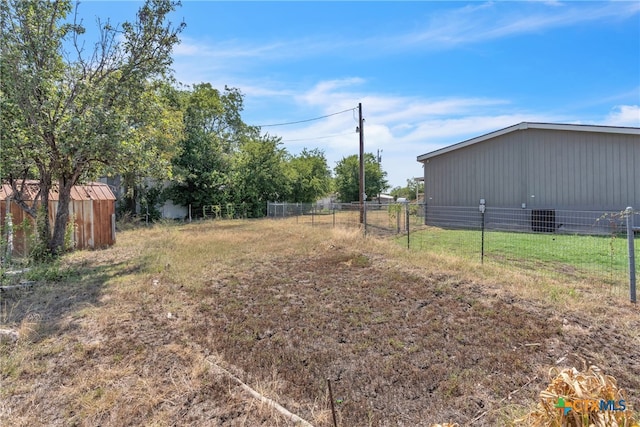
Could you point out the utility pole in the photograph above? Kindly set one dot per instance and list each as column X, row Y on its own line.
column 361, row 183
column 379, row 158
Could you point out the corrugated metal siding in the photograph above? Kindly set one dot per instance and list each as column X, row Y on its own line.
column 463, row 177
column 81, row 211
column 102, row 230
column 577, row 170
column 92, row 207
column 20, row 239
column 560, row 169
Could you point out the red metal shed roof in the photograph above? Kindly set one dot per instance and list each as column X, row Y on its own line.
column 90, row 191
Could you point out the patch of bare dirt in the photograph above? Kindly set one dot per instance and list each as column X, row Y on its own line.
column 401, row 349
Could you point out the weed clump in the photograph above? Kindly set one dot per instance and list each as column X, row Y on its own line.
column 577, row 399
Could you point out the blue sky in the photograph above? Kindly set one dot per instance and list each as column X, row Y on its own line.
column 428, row 74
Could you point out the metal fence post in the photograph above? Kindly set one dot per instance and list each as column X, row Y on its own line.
column 482, row 208
column 364, row 211
column 632, row 257
column 406, row 215
column 334, row 216
column 425, row 211
column 406, row 210
column 482, row 241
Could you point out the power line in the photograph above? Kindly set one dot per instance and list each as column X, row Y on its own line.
column 317, row 137
column 307, row 120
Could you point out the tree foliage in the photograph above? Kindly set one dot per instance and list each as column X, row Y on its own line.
column 224, row 161
column 73, row 107
column 347, row 176
column 259, row 174
column 409, row 191
column 148, row 152
column 310, row 176
column 213, row 131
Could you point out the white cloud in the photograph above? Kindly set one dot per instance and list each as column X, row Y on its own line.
column 205, row 49
column 624, row 115
column 491, row 21
column 402, row 127
column 327, row 94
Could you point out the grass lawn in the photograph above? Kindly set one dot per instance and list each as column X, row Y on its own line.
column 598, row 258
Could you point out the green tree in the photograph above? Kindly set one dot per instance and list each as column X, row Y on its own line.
column 223, row 161
column 259, row 174
column 157, row 129
column 15, row 151
column 409, row 191
column 347, row 175
column 72, row 105
column 310, row 176
column 213, row 129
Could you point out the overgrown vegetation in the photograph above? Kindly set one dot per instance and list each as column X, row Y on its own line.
column 137, row 333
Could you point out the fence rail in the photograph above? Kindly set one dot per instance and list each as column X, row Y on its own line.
column 225, row 211
column 379, row 217
column 528, row 220
column 594, row 246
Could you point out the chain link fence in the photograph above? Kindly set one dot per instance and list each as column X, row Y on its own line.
column 379, row 218
column 592, row 246
column 226, row 211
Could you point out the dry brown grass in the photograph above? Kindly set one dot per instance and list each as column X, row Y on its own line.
column 574, row 399
column 406, row 339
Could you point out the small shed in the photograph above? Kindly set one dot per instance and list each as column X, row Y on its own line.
column 92, row 209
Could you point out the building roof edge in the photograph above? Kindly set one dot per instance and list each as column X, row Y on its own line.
column 531, row 125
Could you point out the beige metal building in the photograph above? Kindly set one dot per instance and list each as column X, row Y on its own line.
column 539, row 166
